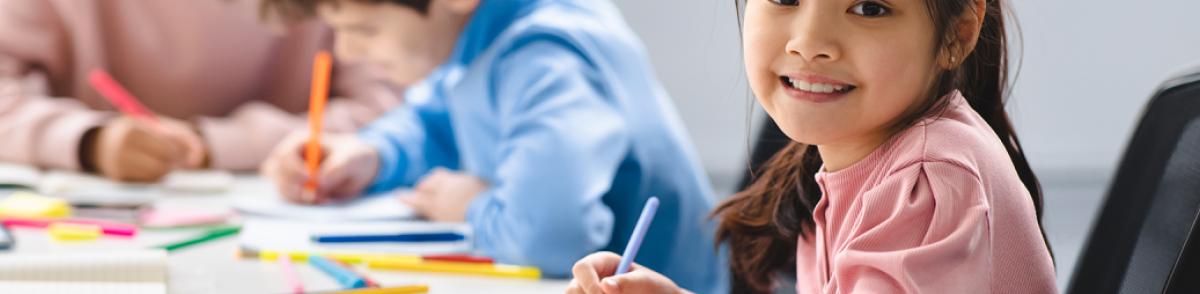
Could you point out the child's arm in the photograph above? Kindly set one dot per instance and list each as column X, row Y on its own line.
column 410, row 140
column 38, row 129
column 927, row 229
column 562, row 144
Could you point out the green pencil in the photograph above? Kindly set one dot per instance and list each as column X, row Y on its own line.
column 211, row 235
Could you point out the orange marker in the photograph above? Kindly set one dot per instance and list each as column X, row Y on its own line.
column 322, row 64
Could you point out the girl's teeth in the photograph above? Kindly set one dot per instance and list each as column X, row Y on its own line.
column 816, row 87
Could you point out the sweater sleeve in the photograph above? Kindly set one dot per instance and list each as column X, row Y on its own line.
column 924, row 230
column 38, row 129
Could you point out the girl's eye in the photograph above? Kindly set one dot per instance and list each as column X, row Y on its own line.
column 786, row 2
column 870, row 9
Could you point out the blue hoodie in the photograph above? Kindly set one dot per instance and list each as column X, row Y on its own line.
column 554, row 103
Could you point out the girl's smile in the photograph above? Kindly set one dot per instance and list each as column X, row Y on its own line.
column 814, row 88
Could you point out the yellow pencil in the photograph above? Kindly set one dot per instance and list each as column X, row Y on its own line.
column 272, row 255
column 491, row 270
column 419, row 288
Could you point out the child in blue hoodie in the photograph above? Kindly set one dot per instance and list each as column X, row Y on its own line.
column 539, row 123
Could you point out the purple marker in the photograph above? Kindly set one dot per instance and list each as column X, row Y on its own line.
column 639, row 232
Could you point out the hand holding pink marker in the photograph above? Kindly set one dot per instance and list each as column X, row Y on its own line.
column 125, row 102
column 120, row 98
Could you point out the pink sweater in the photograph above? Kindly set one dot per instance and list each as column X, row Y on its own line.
column 208, row 61
column 937, row 209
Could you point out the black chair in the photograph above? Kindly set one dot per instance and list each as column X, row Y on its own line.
column 769, row 141
column 1145, row 239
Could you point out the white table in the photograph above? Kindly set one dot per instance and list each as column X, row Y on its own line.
column 214, row 267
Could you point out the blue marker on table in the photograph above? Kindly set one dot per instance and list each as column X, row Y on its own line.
column 639, row 233
column 344, row 276
column 406, row 237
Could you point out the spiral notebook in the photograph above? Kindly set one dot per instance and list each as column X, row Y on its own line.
column 128, row 272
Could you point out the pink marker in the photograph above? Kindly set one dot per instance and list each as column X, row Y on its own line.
column 119, row 97
column 289, row 274
column 108, row 228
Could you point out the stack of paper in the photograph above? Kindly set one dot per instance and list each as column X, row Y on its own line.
column 79, row 188
column 365, row 208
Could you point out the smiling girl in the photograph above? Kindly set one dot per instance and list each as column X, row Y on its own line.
column 905, row 174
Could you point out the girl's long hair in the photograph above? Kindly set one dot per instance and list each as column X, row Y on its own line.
column 763, row 222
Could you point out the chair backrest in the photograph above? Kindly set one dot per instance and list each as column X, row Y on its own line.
column 1145, row 238
column 769, row 141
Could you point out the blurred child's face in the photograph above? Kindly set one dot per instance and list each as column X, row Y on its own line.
column 406, row 43
column 838, row 71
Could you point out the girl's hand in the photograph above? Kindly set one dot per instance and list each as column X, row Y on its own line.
column 348, row 165
column 594, row 275
column 126, row 150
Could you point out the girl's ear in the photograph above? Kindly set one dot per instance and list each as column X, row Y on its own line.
column 462, row 7
column 964, row 34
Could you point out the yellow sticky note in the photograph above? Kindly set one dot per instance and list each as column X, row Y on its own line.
column 74, row 232
column 25, row 204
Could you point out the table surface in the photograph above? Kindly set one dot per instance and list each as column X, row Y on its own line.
column 214, row 267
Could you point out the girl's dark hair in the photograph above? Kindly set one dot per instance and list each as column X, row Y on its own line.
column 295, row 10
column 763, row 222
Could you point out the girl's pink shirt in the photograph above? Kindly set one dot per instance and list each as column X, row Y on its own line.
column 939, row 208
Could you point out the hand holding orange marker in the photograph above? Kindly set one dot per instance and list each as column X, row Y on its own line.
column 322, row 64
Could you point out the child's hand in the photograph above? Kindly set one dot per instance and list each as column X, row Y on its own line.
column 444, row 195
column 126, row 150
column 594, row 275
column 347, row 166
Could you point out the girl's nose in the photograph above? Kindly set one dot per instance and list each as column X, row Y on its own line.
column 814, row 35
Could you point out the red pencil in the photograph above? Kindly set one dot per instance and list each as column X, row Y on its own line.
column 458, row 258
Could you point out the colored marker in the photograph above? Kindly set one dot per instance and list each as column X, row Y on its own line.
column 345, row 277
column 405, row 237
column 269, row 255
column 120, row 97
column 6, row 238
column 344, row 257
column 639, row 233
column 322, row 65
column 107, row 228
column 290, row 276
column 370, row 283
column 211, row 235
column 458, row 258
column 477, row 269
column 410, row 289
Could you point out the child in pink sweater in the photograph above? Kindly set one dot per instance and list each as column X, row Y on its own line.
column 227, row 86
column 905, row 174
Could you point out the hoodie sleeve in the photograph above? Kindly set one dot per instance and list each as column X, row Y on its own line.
column 562, row 142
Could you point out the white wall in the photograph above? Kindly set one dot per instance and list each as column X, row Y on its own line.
column 695, row 48
column 1088, row 69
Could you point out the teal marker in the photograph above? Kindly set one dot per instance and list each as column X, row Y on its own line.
column 348, row 279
